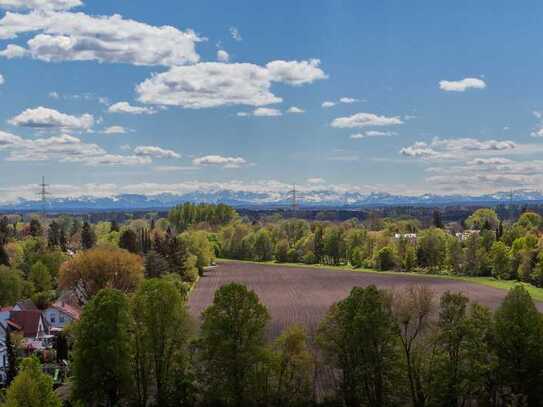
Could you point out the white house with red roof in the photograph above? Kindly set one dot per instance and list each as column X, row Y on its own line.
column 60, row 314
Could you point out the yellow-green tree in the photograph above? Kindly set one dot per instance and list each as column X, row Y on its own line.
column 31, row 387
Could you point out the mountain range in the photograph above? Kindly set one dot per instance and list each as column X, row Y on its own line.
column 313, row 199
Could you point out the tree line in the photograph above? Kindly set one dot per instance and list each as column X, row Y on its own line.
column 383, row 349
column 483, row 246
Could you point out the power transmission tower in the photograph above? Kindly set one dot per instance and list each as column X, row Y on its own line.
column 293, row 198
column 43, row 195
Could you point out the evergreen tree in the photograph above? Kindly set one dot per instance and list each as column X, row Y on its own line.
column 53, row 235
column 88, row 239
column 62, row 240
column 155, row 265
column 35, row 228
column 436, row 219
column 129, row 241
column 4, row 258
column 11, row 354
column 114, row 226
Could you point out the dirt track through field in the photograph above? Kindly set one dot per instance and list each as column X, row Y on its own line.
column 303, row 295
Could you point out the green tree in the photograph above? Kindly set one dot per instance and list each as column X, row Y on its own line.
column 40, row 277
column 519, row 329
column 483, row 218
column 198, row 244
column 155, row 265
column 11, row 286
column 501, row 261
column 31, row 387
column 281, row 251
column 53, row 234
column 385, row 259
column 293, row 367
column 101, row 355
column 4, row 257
column 88, row 239
column 36, row 229
column 231, row 345
column 431, row 249
column 359, row 338
column 128, row 240
column 263, row 245
column 333, row 245
column 162, row 328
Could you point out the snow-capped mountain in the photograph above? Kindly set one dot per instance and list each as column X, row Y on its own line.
column 320, row 198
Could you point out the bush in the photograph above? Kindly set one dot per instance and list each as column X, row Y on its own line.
column 385, row 259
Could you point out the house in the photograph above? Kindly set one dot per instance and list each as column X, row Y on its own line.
column 410, row 237
column 466, row 234
column 60, row 314
column 30, row 323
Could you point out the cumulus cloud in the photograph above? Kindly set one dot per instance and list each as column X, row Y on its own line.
column 115, row 130
column 234, row 32
column 294, row 109
column 125, row 107
column 67, row 36
column 266, row 112
column 13, row 51
column 155, row 152
column 372, row 133
column 360, row 120
column 43, row 117
column 328, row 103
column 63, row 148
column 295, row 72
column 456, row 148
column 214, row 84
column 40, row 4
column 223, row 56
column 462, row 85
column 217, row 160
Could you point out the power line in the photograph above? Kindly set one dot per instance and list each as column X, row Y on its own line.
column 43, row 194
column 293, row 197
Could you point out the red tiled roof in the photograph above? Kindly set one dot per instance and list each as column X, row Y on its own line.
column 70, row 310
column 27, row 321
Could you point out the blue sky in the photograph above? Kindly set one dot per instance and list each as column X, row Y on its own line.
column 104, row 97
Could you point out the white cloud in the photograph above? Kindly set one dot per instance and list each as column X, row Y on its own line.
column 266, row 112
column 490, row 161
column 462, row 85
column 155, row 152
column 243, row 114
column 214, row 84
column 115, row 130
column 294, row 109
column 234, row 32
column 360, row 120
column 223, row 56
column 295, row 72
column 125, row 107
column 2, row 80
column 67, row 36
column 170, row 168
column 454, row 149
column 63, row 148
column 328, row 103
column 43, row 117
column 315, row 181
column 348, row 100
column 217, row 160
column 54, row 95
column 13, row 51
column 40, row 4
column 372, row 133
column 537, row 132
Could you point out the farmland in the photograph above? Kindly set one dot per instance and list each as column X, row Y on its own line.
column 303, row 295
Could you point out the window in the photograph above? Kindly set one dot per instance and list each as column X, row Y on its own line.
column 52, row 318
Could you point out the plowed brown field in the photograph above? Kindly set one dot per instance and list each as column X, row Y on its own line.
column 303, row 295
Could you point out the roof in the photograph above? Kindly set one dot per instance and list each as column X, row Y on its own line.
column 27, row 321
column 65, row 308
column 26, row 305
